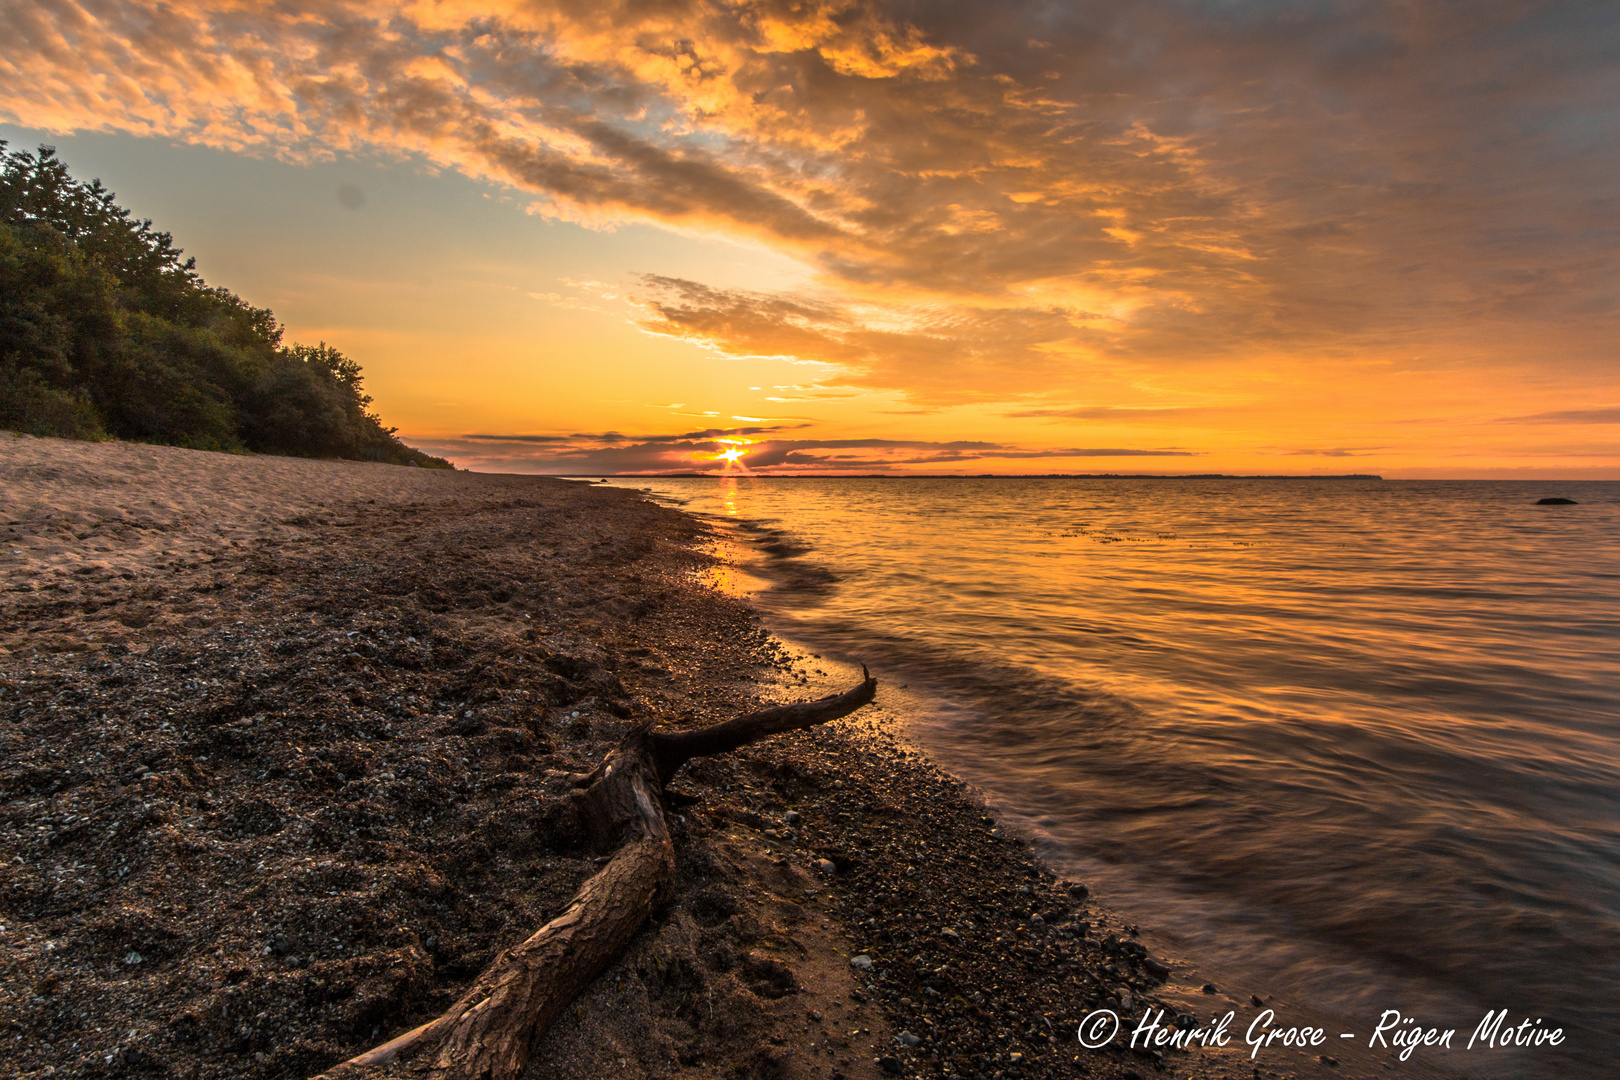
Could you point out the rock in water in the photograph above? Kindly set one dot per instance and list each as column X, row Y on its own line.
column 1556, row 501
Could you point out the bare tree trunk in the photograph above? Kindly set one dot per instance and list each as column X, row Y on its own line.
column 488, row 1032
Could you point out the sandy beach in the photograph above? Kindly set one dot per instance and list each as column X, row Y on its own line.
column 287, row 746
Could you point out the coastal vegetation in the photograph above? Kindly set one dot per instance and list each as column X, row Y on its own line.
column 106, row 330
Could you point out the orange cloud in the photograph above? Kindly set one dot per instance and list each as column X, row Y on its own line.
column 997, row 202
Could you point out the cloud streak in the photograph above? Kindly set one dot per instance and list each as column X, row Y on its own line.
column 763, row 451
column 1567, row 416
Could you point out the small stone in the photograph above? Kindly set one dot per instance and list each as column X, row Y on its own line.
column 826, row 866
column 1255, row 1000
column 906, row 1038
column 889, row 1064
column 793, row 817
column 1211, row 988
column 134, row 958
column 1036, row 920
column 1332, row 1061
column 861, row 962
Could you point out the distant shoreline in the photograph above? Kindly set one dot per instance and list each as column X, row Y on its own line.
column 961, row 476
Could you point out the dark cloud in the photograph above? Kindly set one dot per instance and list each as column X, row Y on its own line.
column 999, row 200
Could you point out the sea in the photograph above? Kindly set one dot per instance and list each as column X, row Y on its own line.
column 1352, row 742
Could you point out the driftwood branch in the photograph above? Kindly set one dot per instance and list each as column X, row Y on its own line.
column 671, row 750
column 489, row 1031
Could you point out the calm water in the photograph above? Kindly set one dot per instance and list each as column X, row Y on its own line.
column 1359, row 739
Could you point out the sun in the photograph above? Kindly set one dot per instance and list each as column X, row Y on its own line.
column 733, row 455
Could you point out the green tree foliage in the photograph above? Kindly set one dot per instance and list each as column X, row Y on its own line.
column 105, row 330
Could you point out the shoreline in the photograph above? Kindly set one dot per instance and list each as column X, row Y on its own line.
column 288, row 754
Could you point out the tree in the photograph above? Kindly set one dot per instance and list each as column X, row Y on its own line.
column 107, row 329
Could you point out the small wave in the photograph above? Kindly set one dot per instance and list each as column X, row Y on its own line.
column 1355, row 735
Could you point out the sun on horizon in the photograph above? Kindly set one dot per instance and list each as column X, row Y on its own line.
column 1124, row 238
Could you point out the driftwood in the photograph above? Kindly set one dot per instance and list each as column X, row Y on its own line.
column 488, row 1032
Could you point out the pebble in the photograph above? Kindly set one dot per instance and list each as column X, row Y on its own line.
column 826, row 866
column 906, row 1038
column 862, row 962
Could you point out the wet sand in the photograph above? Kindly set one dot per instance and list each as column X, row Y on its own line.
column 286, row 758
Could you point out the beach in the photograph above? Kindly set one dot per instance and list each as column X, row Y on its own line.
column 288, row 746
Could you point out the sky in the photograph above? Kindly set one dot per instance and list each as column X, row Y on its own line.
column 1124, row 236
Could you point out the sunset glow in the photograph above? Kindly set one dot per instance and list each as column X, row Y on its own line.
column 1142, row 238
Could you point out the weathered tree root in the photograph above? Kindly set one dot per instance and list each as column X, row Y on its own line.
column 489, row 1031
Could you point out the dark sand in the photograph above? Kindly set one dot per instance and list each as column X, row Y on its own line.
column 285, row 759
